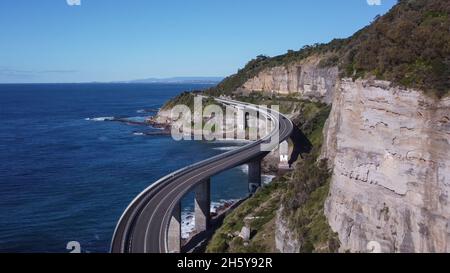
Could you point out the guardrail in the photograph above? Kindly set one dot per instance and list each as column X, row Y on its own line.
column 124, row 223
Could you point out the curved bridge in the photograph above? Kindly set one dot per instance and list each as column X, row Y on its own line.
column 151, row 223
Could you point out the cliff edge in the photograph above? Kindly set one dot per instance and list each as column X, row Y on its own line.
column 376, row 108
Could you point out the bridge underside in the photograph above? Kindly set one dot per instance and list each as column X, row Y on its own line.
column 152, row 222
column 202, row 208
column 254, row 175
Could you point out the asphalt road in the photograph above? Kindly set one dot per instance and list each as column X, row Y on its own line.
column 143, row 226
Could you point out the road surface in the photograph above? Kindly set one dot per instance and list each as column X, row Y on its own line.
column 143, row 227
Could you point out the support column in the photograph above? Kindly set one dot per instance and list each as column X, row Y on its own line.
column 203, row 205
column 174, row 236
column 254, row 175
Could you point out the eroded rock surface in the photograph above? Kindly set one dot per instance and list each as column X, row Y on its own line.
column 390, row 151
column 306, row 79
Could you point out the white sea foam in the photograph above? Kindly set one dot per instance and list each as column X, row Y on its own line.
column 157, row 128
column 136, row 119
column 265, row 178
column 149, row 110
column 232, row 140
column 138, row 134
column 229, row 148
column 187, row 223
column 188, row 217
column 100, row 119
column 217, row 205
column 243, row 168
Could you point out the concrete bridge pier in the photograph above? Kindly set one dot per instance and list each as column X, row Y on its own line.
column 174, row 233
column 203, row 205
column 254, row 175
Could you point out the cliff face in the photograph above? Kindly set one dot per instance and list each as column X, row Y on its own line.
column 306, row 79
column 390, row 151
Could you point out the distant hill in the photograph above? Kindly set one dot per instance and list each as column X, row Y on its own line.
column 198, row 80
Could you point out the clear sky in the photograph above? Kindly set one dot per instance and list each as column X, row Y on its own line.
column 109, row 40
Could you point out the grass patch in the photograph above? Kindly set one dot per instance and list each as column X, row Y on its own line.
column 304, row 207
column 261, row 208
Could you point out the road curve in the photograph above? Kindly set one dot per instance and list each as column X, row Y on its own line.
column 143, row 227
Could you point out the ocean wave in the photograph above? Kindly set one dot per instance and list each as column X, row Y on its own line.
column 138, row 134
column 243, row 168
column 188, row 216
column 215, row 206
column 157, row 128
column 232, row 140
column 144, row 111
column 265, row 178
column 100, row 119
column 136, row 119
column 187, row 223
column 228, row 148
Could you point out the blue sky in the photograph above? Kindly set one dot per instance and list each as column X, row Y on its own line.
column 109, row 40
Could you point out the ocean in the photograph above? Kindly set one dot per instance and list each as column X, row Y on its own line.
column 67, row 173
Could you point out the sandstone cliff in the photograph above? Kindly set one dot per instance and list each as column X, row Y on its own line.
column 390, row 152
column 305, row 79
column 389, row 149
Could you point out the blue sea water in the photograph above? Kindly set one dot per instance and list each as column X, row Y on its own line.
column 66, row 176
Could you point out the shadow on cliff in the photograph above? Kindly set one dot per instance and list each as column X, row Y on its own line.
column 302, row 145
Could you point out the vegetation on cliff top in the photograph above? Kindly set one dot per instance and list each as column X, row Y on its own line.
column 261, row 62
column 187, row 98
column 410, row 46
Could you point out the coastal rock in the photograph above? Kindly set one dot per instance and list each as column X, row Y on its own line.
column 390, row 153
column 285, row 239
column 163, row 117
column 245, row 233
